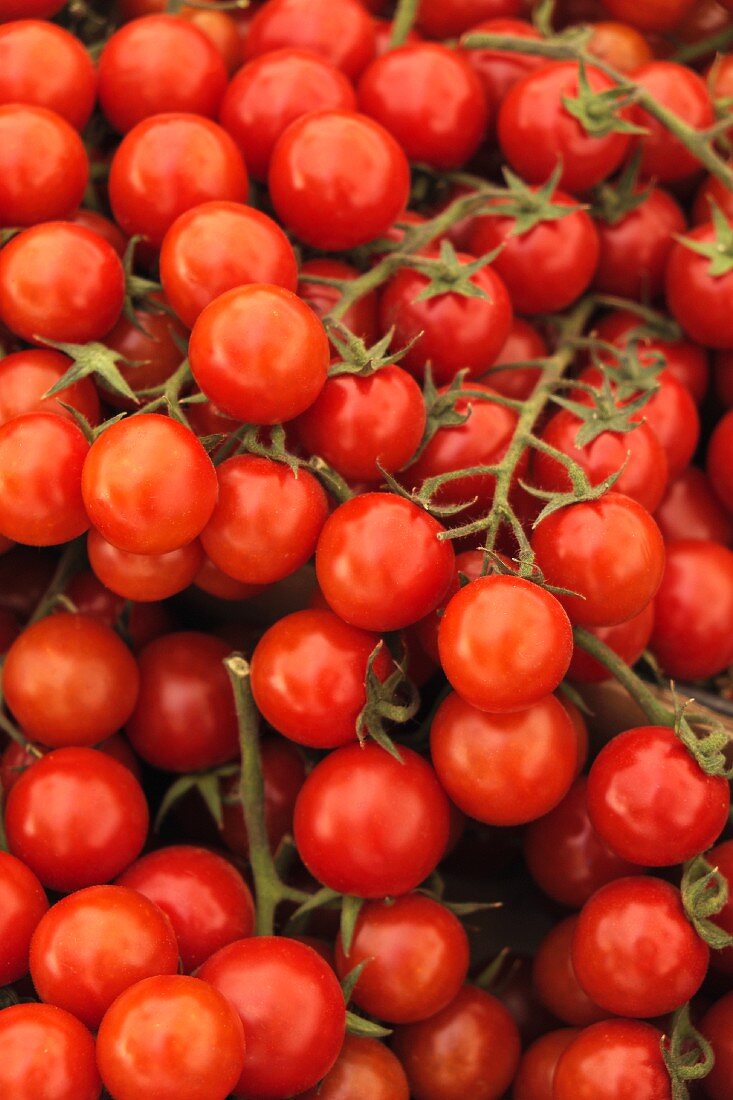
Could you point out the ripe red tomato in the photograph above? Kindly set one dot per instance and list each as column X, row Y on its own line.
column 368, row 825
column 650, row 15
column 77, row 818
column 536, row 1071
column 634, row 249
column 283, row 773
column 685, row 360
column 380, row 563
column 554, row 980
column 146, row 620
column 497, row 70
column 360, row 317
column 152, row 344
column 60, row 281
column 25, row 376
column 103, row 227
column 717, row 1027
column 218, row 246
column 221, row 29
column 288, row 1000
column 46, row 1052
column 43, row 65
column 448, row 18
column 682, row 91
column 143, row 577
column 620, row 46
column 338, row 30
column 635, row 952
column 610, row 1059
column 37, row 188
column 364, row 1067
column 523, row 342
column 699, row 300
column 470, row 1048
column 690, row 509
column 147, row 1046
column 168, row 164
column 628, row 640
column 720, row 460
column 609, row 551
column 22, row 904
column 28, row 9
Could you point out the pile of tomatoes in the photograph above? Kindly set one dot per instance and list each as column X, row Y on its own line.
column 366, row 412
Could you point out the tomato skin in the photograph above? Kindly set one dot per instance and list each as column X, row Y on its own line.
column 369, row 826
column 283, row 772
column 16, row 758
column 363, row 1068
column 554, row 980
column 217, row 246
column 441, row 19
column 619, row 45
column 717, row 1027
column 338, row 30
column 288, row 1000
column 22, row 904
column 635, row 952
column 146, row 1045
column 418, row 952
column 143, row 577
column 498, row 71
column 690, row 509
column 700, row 302
column 535, row 129
column 25, row 376
column 634, row 250
column 45, row 66
column 38, row 189
column 628, row 640
column 36, row 9
column 681, row 90
column 537, row 1068
column 720, row 460
column 523, row 342
column 380, row 563
column 610, row 1059
column 168, row 164
column 76, row 818
column 46, row 1054
column 125, row 497
column 470, row 1048
column 90, row 597
column 103, row 227
column 579, row 547
column 360, row 317
column 652, row 15
column 60, row 281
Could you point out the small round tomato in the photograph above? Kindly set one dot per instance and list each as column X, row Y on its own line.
column 288, row 1000
column 364, row 1067
column 650, row 15
column 635, row 247
column 267, row 520
column 283, row 774
column 360, row 317
column 77, row 818
column 609, row 551
column 135, row 477
column 554, row 981
column 218, row 246
column 152, row 343
column 523, row 342
column 143, row 577
column 717, row 1027
column 497, row 70
column 610, row 1059
column 37, row 188
column 628, row 640
column 221, row 29
column 146, row 620
column 45, row 1052
column 338, row 30
column 168, row 164
column 184, row 719
column 690, row 509
column 619, row 45
column 635, row 952
column 720, row 460
column 539, row 1061
column 380, row 562
column 22, row 904
column 271, row 91
column 368, row 825
column 147, row 1045
column 103, row 227
column 685, row 360
column 700, row 300
column 211, row 580
column 684, row 92
column 26, row 376
column 43, row 65
column 60, row 281
column 470, row 1048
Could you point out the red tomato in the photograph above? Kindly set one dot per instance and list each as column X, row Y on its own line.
column 211, row 580
column 25, row 376
column 636, row 247
column 152, row 344
column 690, row 509
column 368, row 825
column 650, row 15
column 499, row 71
column 43, row 65
column 30, row 9
column 380, row 563
column 288, row 1000
column 682, row 91
column 363, row 1068
column 635, row 952
column 628, row 640
column 470, row 1048
column 147, row 1045
column 146, row 620
column 554, row 980
column 22, row 904
column 338, row 30
column 610, row 1059
column 620, row 46
column 143, row 577
column 221, row 29
column 76, row 818
column 700, row 301
column 685, row 360
column 724, row 378
column 448, row 18
column 37, row 188
column 537, row 1068
column 720, row 460
column 103, row 227
column 45, row 1052
column 360, row 317
column 283, row 773
column 523, row 342
column 168, row 164
column 717, row 1027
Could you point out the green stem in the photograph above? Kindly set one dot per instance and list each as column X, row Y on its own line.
column 404, row 17
column 657, row 713
column 714, row 43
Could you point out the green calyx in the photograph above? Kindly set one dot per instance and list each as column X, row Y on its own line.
column 613, row 202
column 719, row 251
column 356, row 357
column 447, row 275
column 530, row 206
column 687, row 1054
column 598, row 112
column 704, row 896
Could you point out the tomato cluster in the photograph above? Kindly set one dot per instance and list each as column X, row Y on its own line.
column 366, row 416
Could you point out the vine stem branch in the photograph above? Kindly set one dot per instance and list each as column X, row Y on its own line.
column 404, row 17
column 657, row 713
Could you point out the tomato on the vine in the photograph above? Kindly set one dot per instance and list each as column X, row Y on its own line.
column 43, row 1048
column 22, row 904
column 555, row 982
column 44, row 65
column 610, row 1059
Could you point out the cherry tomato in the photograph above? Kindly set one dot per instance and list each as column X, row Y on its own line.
column 30, row 9
column 685, row 360
column 682, row 91
column 717, row 1027
column 146, row 620
column 152, row 344
column 26, row 376
column 221, row 29
column 690, row 509
column 38, row 189
column 523, row 342
column 45, row 1052
column 43, row 65
column 283, row 774
column 360, row 317
column 611, row 1059
column 448, row 18
column 554, row 980
column 22, row 904
column 650, row 15
column 143, row 577
column 628, row 640
column 211, row 580
column 103, row 227
column 720, row 460
column 620, row 46
column 536, row 1071
column 338, row 30
column 364, row 1067
column 499, row 71
column 699, row 300
column 288, row 1000
column 634, row 248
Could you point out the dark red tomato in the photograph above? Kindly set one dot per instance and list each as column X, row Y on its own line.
column 682, row 91
column 22, row 904
column 717, row 1027
column 536, row 1071
column 149, row 343
column 548, row 267
column 308, row 677
column 554, row 980
column 700, row 301
column 29, row 9
column 724, row 378
column 504, row 769
column 610, row 1059
column 185, row 718
column 720, row 460
column 694, row 609
column 147, row 1047
column 338, row 179
column 470, row 1048
column 94, row 944
column 33, row 188
column 449, row 18
column 60, row 281
column 288, row 1000
column 221, row 29
column 207, row 900
column 146, row 620
column 103, row 227
column 523, row 342
column 271, row 91
column 635, row 952
column 360, row 317
column 207, row 419
column 497, row 70
column 45, row 1052
column 452, row 331
column 380, row 562
column 127, row 498
column 211, row 580
column 168, row 164
column 41, row 460
column 25, row 376
column 259, row 353
column 416, row 955
column 638, row 453
column 158, row 64
column 635, row 248
column 9, row 629
column 535, row 130
column 267, row 521
column 59, row 661
column 620, row 46
column 505, row 643
column 364, row 1067
column 338, row 30
column 650, row 15
column 218, row 246
column 143, row 577
column 368, row 825
column 690, row 509
column 43, row 65
column 76, row 818
column 565, row 855
column 609, row 551
column 283, row 773
column 651, row 802
column 628, row 640
column 685, row 360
